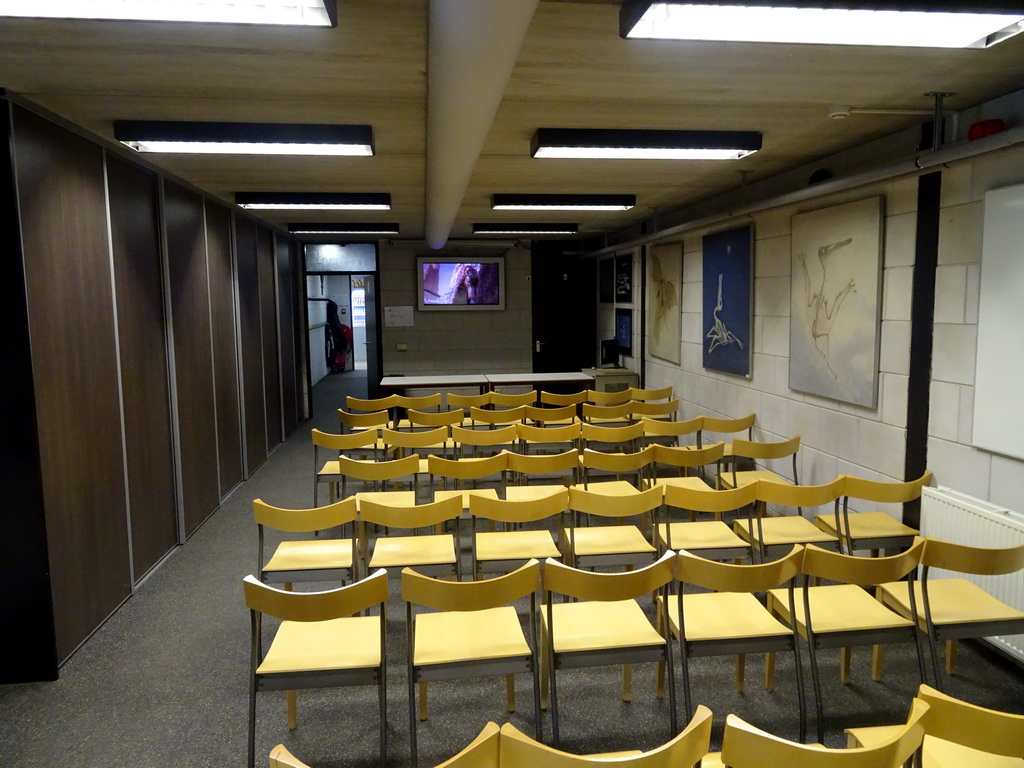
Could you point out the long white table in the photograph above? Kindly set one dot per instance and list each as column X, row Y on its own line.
column 485, row 382
column 538, row 380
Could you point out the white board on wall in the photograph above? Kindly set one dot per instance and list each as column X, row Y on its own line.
column 999, row 377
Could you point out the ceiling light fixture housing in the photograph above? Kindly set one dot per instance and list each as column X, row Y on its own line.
column 343, row 229
column 337, row 201
column 244, row 138
column 562, row 202
column 306, row 13
column 636, row 144
column 909, row 23
column 525, row 229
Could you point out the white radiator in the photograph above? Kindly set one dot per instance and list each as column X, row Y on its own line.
column 953, row 516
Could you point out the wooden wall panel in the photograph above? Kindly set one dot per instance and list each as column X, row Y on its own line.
column 71, row 321
column 225, row 345
column 250, row 320
column 267, row 270
column 138, row 282
column 193, row 354
column 286, row 302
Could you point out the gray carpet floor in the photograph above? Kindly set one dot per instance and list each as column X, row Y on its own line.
column 164, row 681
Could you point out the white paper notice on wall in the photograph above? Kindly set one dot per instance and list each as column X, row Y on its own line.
column 397, row 317
column 998, row 406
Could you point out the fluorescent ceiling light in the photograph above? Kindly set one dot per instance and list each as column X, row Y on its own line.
column 244, row 138
column 977, row 24
column 525, row 229
column 338, row 201
column 343, row 229
column 562, row 202
column 310, row 13
column 644, row 145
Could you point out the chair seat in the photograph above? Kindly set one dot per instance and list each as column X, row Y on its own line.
column 454, row 636
column 953, row 601
column 692, row 483
column 724, row 616
column 837, row 608
column 392, row 498
column 309, row 646
column 516, row 545
column 490, row 493
column 313, row 554
column 609, row 540
column 530, row 492
column 789, row 529
column 392, row 551
column 867, row 525
column 595, row 626
column 612, row 487
column 703, row 534
column 937, row 753
column 750, row 476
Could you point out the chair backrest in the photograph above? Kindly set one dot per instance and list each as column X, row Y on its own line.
column 640, row 408
column 988, row 730
column 885, row 492
column 375, row 471
column 562, row 413
column 592, row 585
column 729, row 577
column 710, row 500
column 688, row 457
column 504, row 416
column 416, row 516
column 596, row 433
column 865, row 571
column 544, row 463
column 502, row 400
column 800, row 495
column 609, row 398
column 470, row 595
column 419, row 402
column 346, row 441
column 482, row 752
column 592, row 412
column 663, row 428
column 554, row 398
column 363, row 420
column 728, row 426
column 744, row 746
column 604, row 505
column 425, row 438
column 316, row 606
column 485, row 437
column 305, row 520
column 617, row 462
column 980, row 561
column 454, row 400
column 750, row 449
column 472, row 468
column 664, row 393
column 567, row 433
column 685, row 749
column 525, row 511
column 434, row 418
column 373, row 404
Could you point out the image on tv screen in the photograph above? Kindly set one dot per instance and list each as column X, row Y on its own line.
column 450, row 283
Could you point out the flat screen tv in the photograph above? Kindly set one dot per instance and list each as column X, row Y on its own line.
column 460, row 282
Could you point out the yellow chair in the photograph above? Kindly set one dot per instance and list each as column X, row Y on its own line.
column 550, row 468
column 433, row 419
column 669, row 432
column 418, row 403
column 486, row 418
column 321, row 642
column 731, row 619
column 402, row 443
column 377, row 475
column 723, row 426
column 683, row 459
column 874, row 530
column 609, row 415
column 371, row 405
column 565, row 414
column 484, row 442
column 547, row 439
column 474, row 631
column 598, row 397
column 454, row 400
column 748, row 449
column 502, row 400
column 304, row 560
column 434, row 554
column 659, row 411
column 608, row 626
column 505, row 549
column 712, row 539
column 744, row 746
column 610, row 545
column 685, row 749
column 647, row 395
column 622, row 439
column 357, row 422
column 951, row 609
column 958, row 734
column 364, row 445
column 459, row 472
column 556, row 398
column 596, row 466
column 763, row 533
column 843, row 614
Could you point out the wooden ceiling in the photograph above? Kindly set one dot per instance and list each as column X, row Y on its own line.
column 573, row 71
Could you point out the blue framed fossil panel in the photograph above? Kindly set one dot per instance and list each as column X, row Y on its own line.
column 835, row 302
column 728, row 300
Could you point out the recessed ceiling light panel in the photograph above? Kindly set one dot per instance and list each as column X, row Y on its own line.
column 244, row 138
column 644, row 144
column 307, row 13
column 562, row 202
column 525, row 229
column 977, row 24
column 336, row 228
column 338, row 201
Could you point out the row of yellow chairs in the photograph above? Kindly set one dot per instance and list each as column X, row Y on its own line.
column 505, row 400
column 947, row 732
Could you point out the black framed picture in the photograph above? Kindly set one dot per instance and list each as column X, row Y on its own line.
column 606, row 281
column 624, row 278
column 624, row 330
